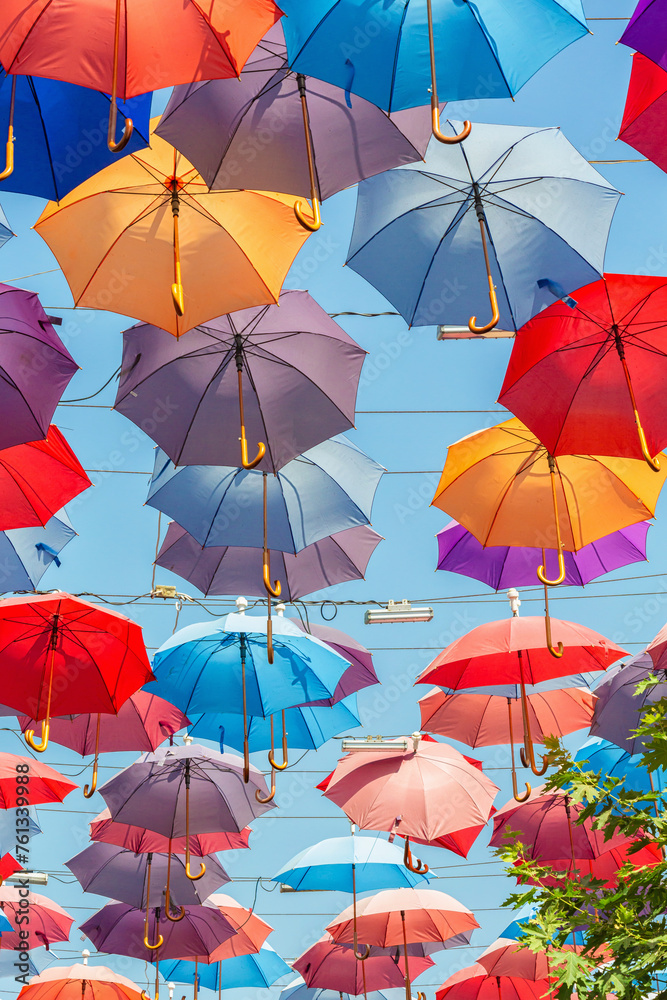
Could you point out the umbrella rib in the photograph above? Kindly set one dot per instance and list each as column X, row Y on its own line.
column 217, row 375
column 456, row 221
column 394, row 69
column 31, row 85
column 473, row 11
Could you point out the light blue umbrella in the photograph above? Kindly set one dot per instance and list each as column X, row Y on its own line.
column 27, row 553
column 5, row 231
column 327, row 489
column 249, row 971
column 5, row 925
column 8, row 827
column 616, row 763
column 10, row 963
column 298, row 990
column 524, row 196
column 349, row 864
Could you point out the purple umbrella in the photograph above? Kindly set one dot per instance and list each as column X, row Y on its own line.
column 619, row 707
column 302, row 368
column 119, row 929
column 238, row 570
column 500, row 567
column 35, row 368
column 143, row 880
column 647, row 31
column 265, row 130
column 360, row 673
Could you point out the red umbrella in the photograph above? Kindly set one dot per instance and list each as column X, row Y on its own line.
column 135, row 838
column 605, row 865
column 330, row 966
column 39, row 782
column 143, row 722
column 601, row 366
column 61, row 654
column 476, row 987
column 48, row 923
column 505, row 957
column 37, row 479
column 644, row 125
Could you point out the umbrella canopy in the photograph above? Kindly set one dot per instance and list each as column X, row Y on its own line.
column 207, row 667
column 27, row 553
column 228, row 569
column 646, row 31
column 159, row 43
column 489, row 654
column 503, row 43
column 35, row 367
column 657, row 650
column 643, row 126
column 393, row 916
column 48, row 923
column 250, row 931
column 297, row 990
column 506, row 958
column 291, row 350
column 61, row 133
column 331, row 966
column 140, row 841
column 43, row 784
column 5, row 231
column 152, row 793
column 307, row 728
column 123, row 875
column 119, row 929
column 502, row 566
column 613, row 762
column 254, row 971
column 37, row 479
column 489, row 720
column 484, row 987
column 348, row 864
column 35, row 963
column 421, row 231
column 603, row 362
column 149, row 221
column 327, row 489
column 212, row 124
column 80, row 982
column 360, row 673
column 426, row 791
column 619, row 708
column 604, row 866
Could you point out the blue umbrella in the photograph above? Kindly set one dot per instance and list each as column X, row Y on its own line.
column 349, row 864
column 308, row 726
column 61, row 133
column 521, row 917
column 616, row 763
column 250, row 971
column 8, row 828
column 298, row 990
column 325, row 490
column 420, row 232
column 5, row 231
column 27, row 553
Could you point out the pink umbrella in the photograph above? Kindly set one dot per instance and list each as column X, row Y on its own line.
column 142, row 841
column 657, row 649
column 143, row 722
column 330, row 966
column 48, row 922
column 476, row 987
column 426, row 791
column 506, row 958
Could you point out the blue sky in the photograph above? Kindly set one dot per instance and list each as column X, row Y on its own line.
column 448, row 390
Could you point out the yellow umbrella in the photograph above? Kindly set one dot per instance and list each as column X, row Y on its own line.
column 146, row 238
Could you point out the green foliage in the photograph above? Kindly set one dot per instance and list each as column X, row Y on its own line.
column 623, row 926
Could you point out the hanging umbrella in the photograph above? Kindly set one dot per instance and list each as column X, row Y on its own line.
column 331, row 966
column 143, row 880
column 643, row 125
column 360, row 673
column 155, row 240
column 327, row 489
column 502, row 566
column 169, row 789
column 605, row 866
column 619, row 706
column 59, row 133
column 255, row 971
column 490, row 720
column 8, row 969
column 141, row 723
column 27, row 553
column 322, row 139
column 514, row 208
column 250, row 931
column 573, row 942
column 484, row 987
column 37, row 479
column 657, row 650
column 126, row 49
column 47, row 925
column 80, row 982
column 603, row 360
column 35, row 367
column 613, row 762
column 63, row 654
column 425, row 790
column 512, row 650
column 526, row 496
column 225, row 666
column 297, row 990
column 390, row 54
column 5, row 232
column 38, row 783
column 228, row 569
column 505, row 958
column 646, row 31
column 139, row 840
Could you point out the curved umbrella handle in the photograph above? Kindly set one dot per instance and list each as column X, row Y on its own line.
column 528, row 760
column 541, row 571
column 261, row 452
column 29, row 737
column 515, row 788
column 361, row 957
column 153, row 947
column 116, row 147
column 167, row 894
column 276, row 589
column 202, row 866
column 9, row 149
column 272, row 759
column 409, row 861
column 313, row 223
column 90, row 791
column 200, row 874
column 440, row 136
column 555, row 652
column 653, row 463
column 493, row 298
column 271, row 795
column 173, row 919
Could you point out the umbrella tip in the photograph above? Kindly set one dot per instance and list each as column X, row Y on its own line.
column 241, row 604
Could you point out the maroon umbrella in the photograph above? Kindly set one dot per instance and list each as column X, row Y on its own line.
column 329, row 966
column 35, row 368
column 238, row 569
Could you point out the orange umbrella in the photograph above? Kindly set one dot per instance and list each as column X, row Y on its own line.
column 80, row 982
column 506, row 489
column 146, row 238
column 250, row 931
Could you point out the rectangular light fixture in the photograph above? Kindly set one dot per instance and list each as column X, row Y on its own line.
column 464, row 333
column 32, row 878
column 374, row 743
column 397, row 611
